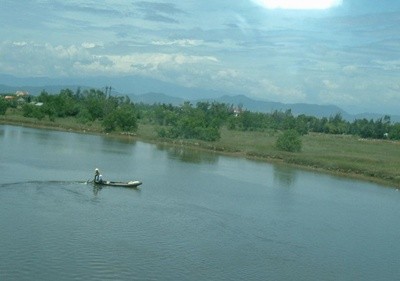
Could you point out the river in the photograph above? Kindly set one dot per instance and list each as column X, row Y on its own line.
column 197, row 216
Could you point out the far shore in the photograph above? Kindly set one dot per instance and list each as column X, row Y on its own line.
column 375, row 161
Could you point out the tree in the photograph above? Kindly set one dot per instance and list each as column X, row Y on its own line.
column 95, row 102
column 164, row 115
column 122, row 118
column 289, row 141
column 337, row 125
column 190, row 123
column 3, row 106
column 67, row 104
column 30, row 110
column 394, row 132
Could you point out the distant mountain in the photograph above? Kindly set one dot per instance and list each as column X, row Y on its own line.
column 264, row 106
column 150, row 91
column 152, row 98
column 375, row 116
column 36, row 90
column 122, row 85
column 300, row 108
column 296, row 108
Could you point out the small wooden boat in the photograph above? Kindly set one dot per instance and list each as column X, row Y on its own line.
column 116, row 183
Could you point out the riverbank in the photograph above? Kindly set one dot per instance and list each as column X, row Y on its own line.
column 370, row 160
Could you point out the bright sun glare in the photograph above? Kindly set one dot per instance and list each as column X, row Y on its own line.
column 299, row 4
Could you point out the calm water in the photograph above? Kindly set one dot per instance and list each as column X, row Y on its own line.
column 198, row 216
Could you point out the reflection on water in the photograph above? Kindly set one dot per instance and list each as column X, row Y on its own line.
column 117, row 145
column 97, row 189
column 43, row 135
column 284, row 176
column 110, row 139
column 188, row 155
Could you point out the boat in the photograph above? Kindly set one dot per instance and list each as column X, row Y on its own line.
column 116, row 183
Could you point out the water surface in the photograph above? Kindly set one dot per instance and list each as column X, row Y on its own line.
column 197, row 216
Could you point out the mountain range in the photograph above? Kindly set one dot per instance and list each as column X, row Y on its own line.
column 150, row 91
column 265, row 106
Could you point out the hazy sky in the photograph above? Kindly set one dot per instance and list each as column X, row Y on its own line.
column 342, row 52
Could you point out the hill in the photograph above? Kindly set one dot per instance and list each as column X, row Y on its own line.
column 264, row 106
column 148, row 90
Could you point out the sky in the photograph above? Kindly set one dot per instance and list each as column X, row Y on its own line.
column 340, row 52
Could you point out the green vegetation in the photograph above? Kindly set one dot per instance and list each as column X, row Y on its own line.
column 115, row 113
column 289, row 141
column 187, row 122
column 362, row 148
column 3, row 106
column 203, row 121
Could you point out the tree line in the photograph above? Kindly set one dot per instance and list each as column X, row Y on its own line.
column 201, row 121
column 115, row 113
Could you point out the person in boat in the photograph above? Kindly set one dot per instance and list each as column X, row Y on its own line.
column 97, row 176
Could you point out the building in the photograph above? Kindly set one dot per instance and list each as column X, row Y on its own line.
column 21, row 93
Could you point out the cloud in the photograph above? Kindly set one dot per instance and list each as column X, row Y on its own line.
column 330, row 85
column 350, row 69
column 158, row 12
column 179, row 42
column 88, row 45
column 159, row 18
column 299, row 4
column 107, row 9
column 392, row 65
column 33, row 59
column 165, row 8
column 344, row 56
column 185, row 70
column 91, row 59
column 270, row 89
column 20, row 44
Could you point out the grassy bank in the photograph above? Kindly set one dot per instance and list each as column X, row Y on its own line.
column 372, row 160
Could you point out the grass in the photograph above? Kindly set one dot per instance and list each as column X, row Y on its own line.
column 15, row 117
column 372, row 160
column 379, row 159
column 375, row 160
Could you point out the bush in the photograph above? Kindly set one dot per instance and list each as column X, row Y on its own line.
column 3, row 106
column 123, row 118
column 33, row 111
column 289, row 141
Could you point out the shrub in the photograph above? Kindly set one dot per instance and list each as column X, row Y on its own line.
column 123, row 118
column 289, row 141
column 30, row 110
column 3, row 106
